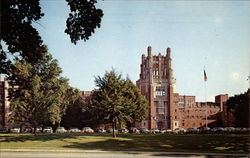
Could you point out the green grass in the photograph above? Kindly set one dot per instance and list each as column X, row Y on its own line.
column 218, row 143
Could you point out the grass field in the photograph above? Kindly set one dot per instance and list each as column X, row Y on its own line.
column 217, row 143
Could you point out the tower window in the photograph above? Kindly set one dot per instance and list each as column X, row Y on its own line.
column 159, row 92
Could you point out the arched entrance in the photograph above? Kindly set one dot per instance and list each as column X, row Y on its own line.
column 160, row 125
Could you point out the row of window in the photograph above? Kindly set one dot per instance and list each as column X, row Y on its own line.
column 193, row 125
column 202, row 110
column 192, row 117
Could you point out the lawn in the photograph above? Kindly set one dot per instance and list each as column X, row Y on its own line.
column 217, row 143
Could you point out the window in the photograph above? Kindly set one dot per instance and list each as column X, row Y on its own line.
column 160, row 107
column 159, row 92
column 183, row 124
column 160, row 117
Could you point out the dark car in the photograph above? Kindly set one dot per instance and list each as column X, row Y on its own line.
column 100, row 130
column 144, row 130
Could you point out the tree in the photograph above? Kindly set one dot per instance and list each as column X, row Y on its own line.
column 22, row 39
column 68, row 98
column 116, row 100
column 239, row 106
column 37, row 92
column 74, row 114
column 137, row 107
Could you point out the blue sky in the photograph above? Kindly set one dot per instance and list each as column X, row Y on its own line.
column 211, row 33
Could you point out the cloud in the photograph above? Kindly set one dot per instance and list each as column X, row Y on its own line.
column 235, row 76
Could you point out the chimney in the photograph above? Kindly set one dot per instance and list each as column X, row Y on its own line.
column 168, row 52
column 149, row 51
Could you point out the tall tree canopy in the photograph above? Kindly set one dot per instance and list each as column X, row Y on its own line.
column 117, row 100
column 75, row 113
column 239, row 105
column 20, row 37
column 38, row 94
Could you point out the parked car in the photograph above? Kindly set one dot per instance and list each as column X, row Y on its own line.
column 39, row 129
column 169, row 131
column 47, row 130
column 110, row 130
column 205, row 130
column 123, row 130
column 87, row 130
column 133, row 130
column 15, row 130
column 74, row 130
column 192, row 130
column 61, row 130
column 229, row 129
column 154, row 131
column 241, row 130
column 217, row 130
column 144, row 130
column 179, row 131
column 100, row 130
column 3, row 130
column 26, row 130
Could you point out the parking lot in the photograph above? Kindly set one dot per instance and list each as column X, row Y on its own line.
column 204, row 130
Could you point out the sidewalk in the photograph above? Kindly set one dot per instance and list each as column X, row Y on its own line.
column 124, row 152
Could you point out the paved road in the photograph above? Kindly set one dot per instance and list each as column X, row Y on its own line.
column 81, row 155
column 44, row 153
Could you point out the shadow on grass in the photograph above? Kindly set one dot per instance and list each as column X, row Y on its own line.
column 32, row 137
column 169, row 143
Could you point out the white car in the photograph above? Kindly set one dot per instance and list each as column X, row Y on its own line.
column 134, row 130
column 87, row 130
column 48, row 130
column 110, row 130
column 154, row 131
column 15, row 130
column 123, row 130
column 179, row 131
column 39, row 129
column 74, row 130
column 193, row 130
column 61, row 130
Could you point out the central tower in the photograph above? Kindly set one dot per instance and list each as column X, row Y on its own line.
column 156, row 84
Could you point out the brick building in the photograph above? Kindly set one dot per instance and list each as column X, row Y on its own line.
column 168, row 109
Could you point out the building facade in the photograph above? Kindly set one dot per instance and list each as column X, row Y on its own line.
column 168, row 109
column 156, row 84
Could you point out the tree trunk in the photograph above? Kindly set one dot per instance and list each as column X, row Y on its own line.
column 35, row 130
column 113, row 128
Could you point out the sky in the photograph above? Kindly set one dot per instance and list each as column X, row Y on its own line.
column 214, row 34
